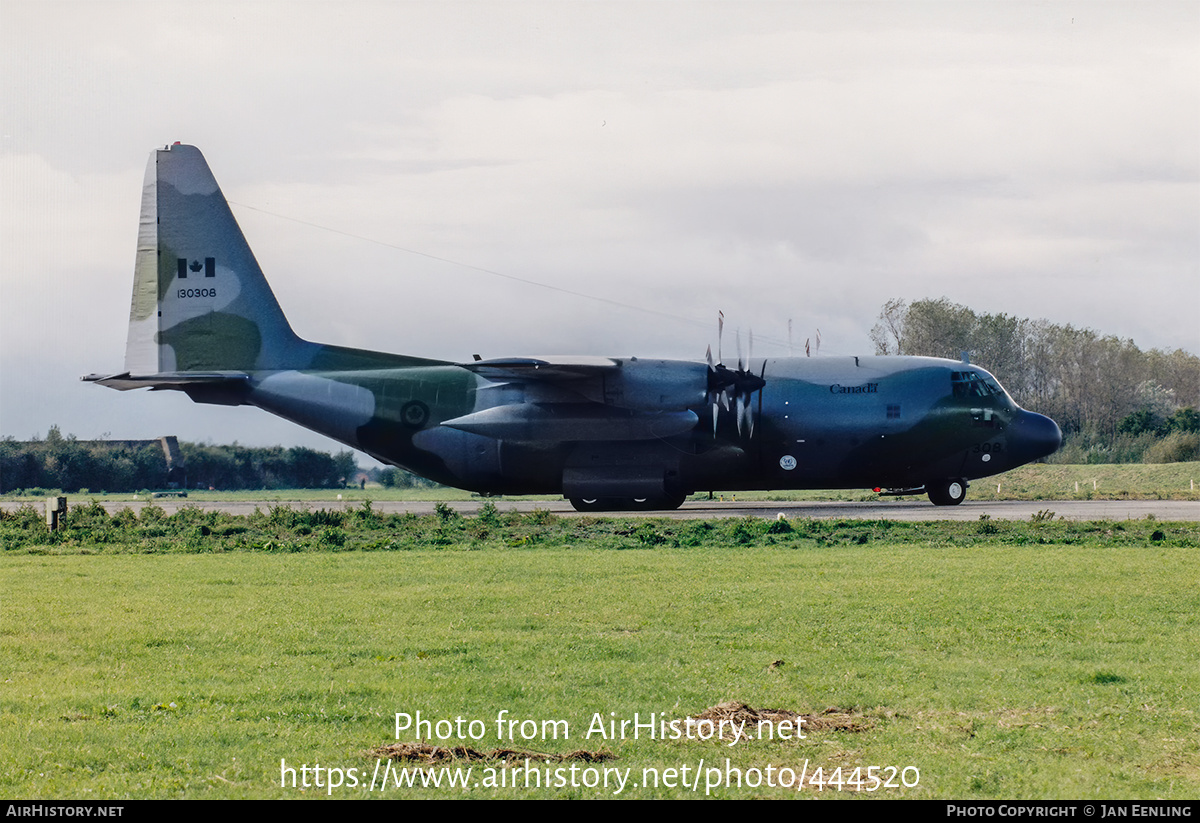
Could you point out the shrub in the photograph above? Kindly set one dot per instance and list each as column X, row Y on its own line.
column 1176, row 447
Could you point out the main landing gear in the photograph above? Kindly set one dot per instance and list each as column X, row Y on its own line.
column 626, row 504
column 946, row 492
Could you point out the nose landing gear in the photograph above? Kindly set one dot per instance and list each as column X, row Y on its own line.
column 946, row 492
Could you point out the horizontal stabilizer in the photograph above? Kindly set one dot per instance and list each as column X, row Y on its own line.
column 172, row 380
column 217, row 388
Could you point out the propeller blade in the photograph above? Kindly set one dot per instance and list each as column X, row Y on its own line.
column 720, row 334
column 762, row 375
column 733, row 389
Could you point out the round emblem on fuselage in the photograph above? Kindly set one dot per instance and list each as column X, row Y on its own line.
column 414, row 414
column 787, row 462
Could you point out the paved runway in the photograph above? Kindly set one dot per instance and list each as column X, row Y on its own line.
column 870, row 510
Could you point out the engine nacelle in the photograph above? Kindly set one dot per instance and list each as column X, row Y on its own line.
column 656, row 385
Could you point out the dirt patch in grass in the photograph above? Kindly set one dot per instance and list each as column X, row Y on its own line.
column 735, row 714
column 426, row 754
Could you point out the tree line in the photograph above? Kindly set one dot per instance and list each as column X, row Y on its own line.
column 63, row 462
column 1113, row 401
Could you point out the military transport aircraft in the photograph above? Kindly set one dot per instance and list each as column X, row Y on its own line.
column 605, row 432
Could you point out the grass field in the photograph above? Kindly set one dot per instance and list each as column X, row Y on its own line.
column 990, row 660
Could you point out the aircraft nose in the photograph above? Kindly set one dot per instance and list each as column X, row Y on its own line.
column 1032, row 436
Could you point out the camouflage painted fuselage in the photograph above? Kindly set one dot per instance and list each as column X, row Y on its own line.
column 203, row 320
column 825, row 423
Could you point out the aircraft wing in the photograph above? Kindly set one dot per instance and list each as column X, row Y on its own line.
column 542, row 368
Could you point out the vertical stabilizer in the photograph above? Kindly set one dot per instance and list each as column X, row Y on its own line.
column 200, row 301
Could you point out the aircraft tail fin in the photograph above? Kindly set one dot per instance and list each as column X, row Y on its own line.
column 200, row 300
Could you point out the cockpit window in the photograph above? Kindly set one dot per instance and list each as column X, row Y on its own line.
column 974, row 384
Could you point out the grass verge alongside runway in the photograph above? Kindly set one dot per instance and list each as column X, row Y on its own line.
column 1036, row 660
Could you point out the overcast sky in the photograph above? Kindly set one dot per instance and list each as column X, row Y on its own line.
column 776, row 161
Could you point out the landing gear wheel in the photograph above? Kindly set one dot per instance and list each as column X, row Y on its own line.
column 636, row 504
column 655, row 504
column 591, row 504
column 947, row 492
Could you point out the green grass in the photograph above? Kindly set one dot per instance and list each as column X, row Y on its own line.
column 1117, row 481
column 89, row 529
column 1000, row 669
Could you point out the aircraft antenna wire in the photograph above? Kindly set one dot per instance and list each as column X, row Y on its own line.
column 704, row 324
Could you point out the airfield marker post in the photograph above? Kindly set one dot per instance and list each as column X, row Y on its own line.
column 56, row 508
